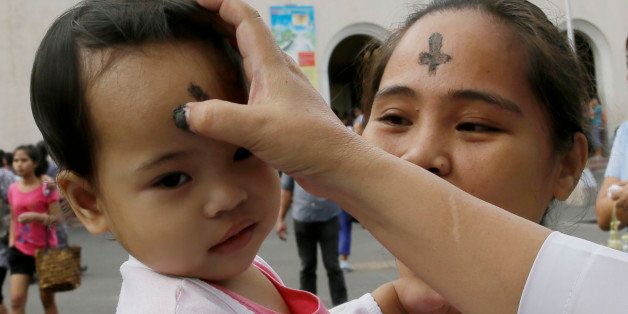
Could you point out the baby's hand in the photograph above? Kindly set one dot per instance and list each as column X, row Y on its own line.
column 415, row 296
column 29, row 217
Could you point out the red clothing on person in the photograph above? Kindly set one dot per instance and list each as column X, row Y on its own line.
column 298, row 301
column 32, row 236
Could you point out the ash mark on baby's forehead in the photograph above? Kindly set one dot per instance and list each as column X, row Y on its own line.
column 197, row 92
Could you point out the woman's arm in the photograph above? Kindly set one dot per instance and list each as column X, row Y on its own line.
column 476, row 255
column 51, row 217
column 453, row 241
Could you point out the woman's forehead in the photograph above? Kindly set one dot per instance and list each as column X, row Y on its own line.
column 456, row 46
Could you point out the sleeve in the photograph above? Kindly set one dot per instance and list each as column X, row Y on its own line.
column 364, row 305
column 287, row 182
column 571, row 275
column 618, row 153
column 144, row 291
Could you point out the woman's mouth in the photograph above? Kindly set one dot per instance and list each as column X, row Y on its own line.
column 235, row 239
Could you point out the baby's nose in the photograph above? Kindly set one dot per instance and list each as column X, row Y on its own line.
column 224, row 199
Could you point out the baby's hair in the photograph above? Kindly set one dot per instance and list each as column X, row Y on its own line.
column 554, row 73
column 34, row 154
column 59, row 82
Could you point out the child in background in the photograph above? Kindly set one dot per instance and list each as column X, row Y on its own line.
column 191, row 212
column 6, row 179
column 34, row 208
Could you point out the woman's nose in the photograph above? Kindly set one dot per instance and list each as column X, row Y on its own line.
column 429, row 152
column 224, row 199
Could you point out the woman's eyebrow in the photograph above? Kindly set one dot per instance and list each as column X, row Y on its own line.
column 396, row 90
column 169, row 156
column 486, row 97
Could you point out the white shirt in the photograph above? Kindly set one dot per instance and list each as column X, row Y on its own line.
column 146, row 291
column 572, row 275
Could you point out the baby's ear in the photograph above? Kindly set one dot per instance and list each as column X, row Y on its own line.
column 572, row 164
column 81, row 197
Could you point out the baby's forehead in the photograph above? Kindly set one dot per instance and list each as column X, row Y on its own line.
column 132, row 99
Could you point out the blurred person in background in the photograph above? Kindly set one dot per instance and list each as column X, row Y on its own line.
column 6, row 179
column 598, row 126
column 616, row 174
column 34, row 210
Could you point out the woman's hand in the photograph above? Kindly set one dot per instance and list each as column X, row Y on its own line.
column 285, row 114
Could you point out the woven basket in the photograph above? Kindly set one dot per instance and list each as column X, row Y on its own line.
column 58, row 269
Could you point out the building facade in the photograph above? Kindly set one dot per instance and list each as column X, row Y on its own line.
column 342, row 28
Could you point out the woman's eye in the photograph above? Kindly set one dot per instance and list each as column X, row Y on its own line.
column 172, row 180
column 475, row 127
column 394, row 119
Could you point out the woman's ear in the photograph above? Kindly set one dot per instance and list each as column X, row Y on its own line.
column 571, row 166
column 81, row 197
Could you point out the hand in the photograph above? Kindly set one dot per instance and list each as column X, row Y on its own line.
column 620, row 197
column 29, row 217
column 415, row 296
column 285, row 114
column 282, row 229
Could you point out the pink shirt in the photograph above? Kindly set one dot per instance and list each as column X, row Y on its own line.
column 298, row 301
column 31, row 236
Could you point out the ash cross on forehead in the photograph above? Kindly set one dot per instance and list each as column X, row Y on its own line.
column 197, row 92
column 435, row 57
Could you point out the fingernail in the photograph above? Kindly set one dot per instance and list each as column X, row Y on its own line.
column 180, row 116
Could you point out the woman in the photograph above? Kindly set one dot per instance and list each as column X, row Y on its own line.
column 477, row 255
column 501, row 115
column 34, row 209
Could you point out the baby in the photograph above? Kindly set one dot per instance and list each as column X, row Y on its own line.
column 191, row 212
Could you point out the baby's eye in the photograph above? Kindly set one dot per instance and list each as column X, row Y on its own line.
column 475, row 127
column 172, row 180
column 394, row 119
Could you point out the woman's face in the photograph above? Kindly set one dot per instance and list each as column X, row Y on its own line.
column 454, row 99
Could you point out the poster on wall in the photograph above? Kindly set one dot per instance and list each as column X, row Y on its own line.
column 295, row 33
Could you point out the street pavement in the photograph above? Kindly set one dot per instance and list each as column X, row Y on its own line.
column 373, row 265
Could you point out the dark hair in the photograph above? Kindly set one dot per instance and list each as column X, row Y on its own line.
column 58, row 84
column 33, row 154
column 554, row 73
column 8, row 157
column 42, row 166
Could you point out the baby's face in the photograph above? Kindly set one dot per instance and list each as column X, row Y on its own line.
column 181, row 204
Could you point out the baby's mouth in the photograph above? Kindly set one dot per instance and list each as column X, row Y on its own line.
column 235, row 239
